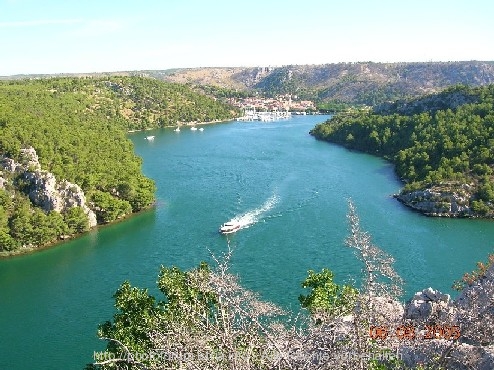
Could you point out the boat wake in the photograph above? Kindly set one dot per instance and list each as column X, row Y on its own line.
column 251, row 217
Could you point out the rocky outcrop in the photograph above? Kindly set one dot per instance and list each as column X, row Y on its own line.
column 43, row 188
column 459, row 356
column 45, row 192
column 426, row 304
column 473, row 314
column 446, row 200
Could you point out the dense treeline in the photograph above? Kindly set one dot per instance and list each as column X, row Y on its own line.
column 441, row 140
column 77, row 128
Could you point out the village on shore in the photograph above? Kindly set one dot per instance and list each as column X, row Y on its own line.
column 269, row 109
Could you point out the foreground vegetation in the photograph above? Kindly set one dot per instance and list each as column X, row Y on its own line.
column 206, row 320
column 442, row 142
column 77, row 128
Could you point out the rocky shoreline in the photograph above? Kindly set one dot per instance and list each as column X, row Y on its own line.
column 48, row 193
column 454, row 200
column 451, row 200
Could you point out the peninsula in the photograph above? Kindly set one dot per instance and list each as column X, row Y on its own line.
column 441, row 145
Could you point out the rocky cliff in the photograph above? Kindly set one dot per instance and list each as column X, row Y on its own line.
column 43, row 188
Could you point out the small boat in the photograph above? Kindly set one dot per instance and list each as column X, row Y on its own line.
column 193, row 128
column 149, row 137
column 201, row 129
column 177, row 129
column 229, row 227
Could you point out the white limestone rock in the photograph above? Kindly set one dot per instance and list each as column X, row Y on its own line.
column 426, row 303
column 43, row 188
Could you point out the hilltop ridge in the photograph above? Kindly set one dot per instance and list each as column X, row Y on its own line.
column 365, row 83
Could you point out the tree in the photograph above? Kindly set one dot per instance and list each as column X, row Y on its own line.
column 76, row 220
column 207, row 320
column 109, row 208
column 20, row 226
column 326, row 295
column 380, row 278
column 7, row 243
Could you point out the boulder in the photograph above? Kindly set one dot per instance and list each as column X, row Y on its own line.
column 426, row 303
column 30, row 159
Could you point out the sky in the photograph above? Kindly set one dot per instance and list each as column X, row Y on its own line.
column 83, row 36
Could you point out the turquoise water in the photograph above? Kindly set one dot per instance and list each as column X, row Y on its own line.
column 290, row 191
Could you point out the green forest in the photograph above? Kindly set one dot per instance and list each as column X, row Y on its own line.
column 77, row 126
column 445, row 141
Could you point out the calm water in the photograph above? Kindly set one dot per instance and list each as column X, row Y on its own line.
column 290, row 191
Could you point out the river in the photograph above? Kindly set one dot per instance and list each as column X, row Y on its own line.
column 290, row 191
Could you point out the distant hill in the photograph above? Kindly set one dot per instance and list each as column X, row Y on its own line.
column 365, row 83
column 355, row 83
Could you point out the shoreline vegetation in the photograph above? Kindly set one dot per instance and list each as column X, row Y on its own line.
column 33, row 249
column 441, row 146
column 66, row 164
column 180, row 124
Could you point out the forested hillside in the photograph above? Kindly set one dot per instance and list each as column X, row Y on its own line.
column 65, row 162
column 442, row 146
column 146, row 102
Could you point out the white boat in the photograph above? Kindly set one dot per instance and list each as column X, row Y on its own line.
column 177, row 129
column 149, row 137
column 229, row 227
column 193, row 128
column 201, row 129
